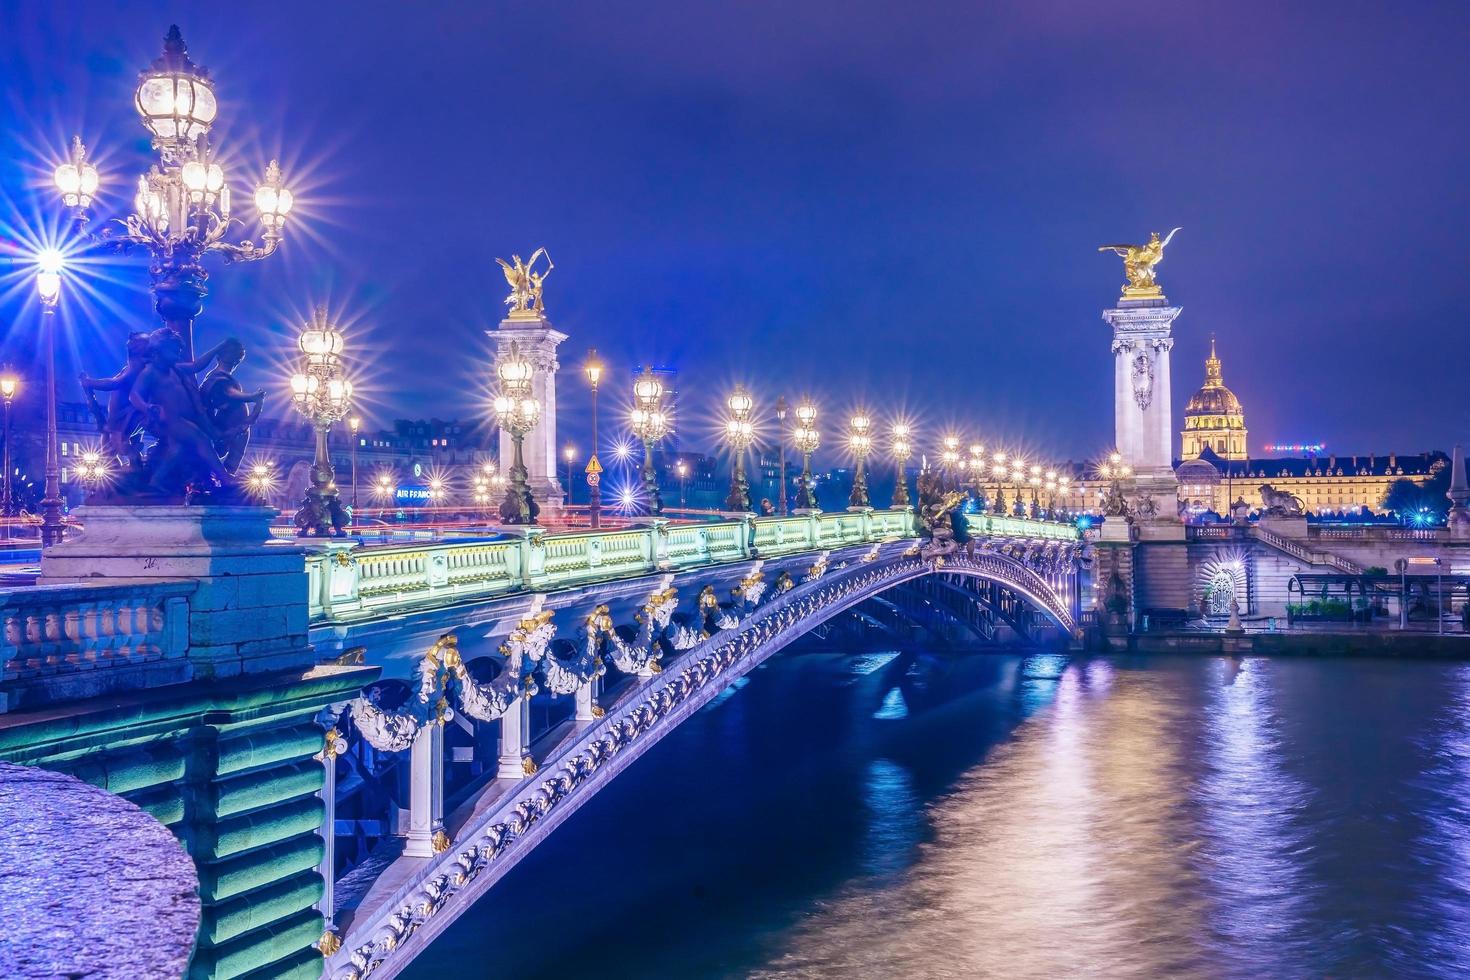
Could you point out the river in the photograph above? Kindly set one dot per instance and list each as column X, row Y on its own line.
column 984, row 815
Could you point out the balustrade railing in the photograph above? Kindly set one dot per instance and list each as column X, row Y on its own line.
column 349, row 581
column 49, row 631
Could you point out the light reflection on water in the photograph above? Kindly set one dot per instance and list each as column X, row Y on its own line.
column 1026, row 817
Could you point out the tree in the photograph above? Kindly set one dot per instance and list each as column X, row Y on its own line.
column 1406, row 499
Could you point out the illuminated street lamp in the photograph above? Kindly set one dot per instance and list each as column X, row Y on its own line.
column 9, row 384
column 321, row 392
column 861, row 443
column 1063, row 488
column 651, row 426
column 593, row 370
column 807, row 439
column 950, row 457
column 781, row 453
column 48, row 287
column 1035, row 481
column 902, row 449
column 1018, row 480
column 569, row 453
column 384, row 489
column 354, row 423
column 518, row 412
column 739, row 433
column 181, row 211
column 998, row 473
column 682, row 468
column 262, row 480
column 91, row 468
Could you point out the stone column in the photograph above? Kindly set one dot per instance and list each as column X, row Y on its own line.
column 1143, row 413
column 537, row 341
column 515, row 750
column 587, row 709
column 426, row 793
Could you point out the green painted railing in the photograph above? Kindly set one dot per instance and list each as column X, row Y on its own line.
column 360, row 581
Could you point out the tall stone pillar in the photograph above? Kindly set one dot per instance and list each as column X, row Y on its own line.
column 1143, row 412
column 537, row 341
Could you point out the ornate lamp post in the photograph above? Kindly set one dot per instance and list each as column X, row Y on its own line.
column 998, row 471
column 807, row 440
column 383, row 489
column 682, row 468
column 1018, row 480
column 593, row 370
column 650, row 425
column 1115, row 470
column 354, row 423
column 861, row 443
column 48, row 286
column 9, row 384
column 322, row 394
column 261, row 481
column 739, row 433
column 902, row 450
column 569, row 453
column 781, row 453
column 950, row 458
column 1063, row 488
column 1035, row 481
column 518, row 413
column 182, row 208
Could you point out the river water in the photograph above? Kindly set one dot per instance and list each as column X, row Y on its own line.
column 911, row 815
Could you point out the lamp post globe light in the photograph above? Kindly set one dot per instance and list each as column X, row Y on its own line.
column 949, row 456
column 807, row 439
column 781, row 409
column 651, row 426
column 861, row 443
column 9, row 385
column 998, row 472
column 518, row 412
column 593, row 369
column 182, row 209
column 569, row 453
column 902, row 449
column 354, row 424
column 682, row 468
column 739, row 433
column 48, row 288
column 1018, row 479
column 322, row 394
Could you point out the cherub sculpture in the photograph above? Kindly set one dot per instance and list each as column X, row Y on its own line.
column 165, row 394
column 120, row 423
column 526, row 283
column 1138, row 265
column 228, row 405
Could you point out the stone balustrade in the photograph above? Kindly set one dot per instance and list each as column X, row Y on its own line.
column 80, row 640
column 360, row 580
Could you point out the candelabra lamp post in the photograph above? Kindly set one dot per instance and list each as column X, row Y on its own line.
column 354, row 423
column 1035, row 481
column 321, row 392
column 950, row 458
column 261, row 481
column 383, row 489
column 682, row 468
column 1063, row 488
column 998, row 470
column 593, row 370
column 861, row 443
column 807, row 439
column 1018, row 480
column 781, row 453
column 9, row 384
column 568, row 454
column 739, row 433
column 518, row 413
column 650, row 425
column 48, row 286
column 181, row 211
column 902, row 449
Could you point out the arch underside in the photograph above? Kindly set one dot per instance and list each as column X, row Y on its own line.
column 387, row 939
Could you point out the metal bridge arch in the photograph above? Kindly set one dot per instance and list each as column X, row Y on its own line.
column 384, row 941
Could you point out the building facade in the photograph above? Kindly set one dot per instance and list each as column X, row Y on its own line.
column 1213, row 418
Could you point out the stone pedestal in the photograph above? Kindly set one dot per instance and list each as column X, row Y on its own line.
column 537, row 341
column 1293, row 528
column 248, row 613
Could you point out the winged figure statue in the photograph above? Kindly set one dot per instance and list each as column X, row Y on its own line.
column 526, row 283
column 1138, row 265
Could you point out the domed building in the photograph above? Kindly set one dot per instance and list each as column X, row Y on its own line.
column 1213, row 418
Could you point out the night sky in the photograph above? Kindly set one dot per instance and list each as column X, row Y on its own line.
column 897, row 205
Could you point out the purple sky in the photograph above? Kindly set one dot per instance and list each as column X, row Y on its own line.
column 890, row 204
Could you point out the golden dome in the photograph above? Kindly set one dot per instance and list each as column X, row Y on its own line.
column 1213, row 398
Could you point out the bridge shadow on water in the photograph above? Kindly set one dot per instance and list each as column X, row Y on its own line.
column 812, row 776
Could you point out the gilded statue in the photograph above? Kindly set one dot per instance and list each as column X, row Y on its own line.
column 526, row 282
column 1138, row 265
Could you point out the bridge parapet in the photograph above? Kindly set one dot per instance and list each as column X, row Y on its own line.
column 62, row 642
column 357, row 581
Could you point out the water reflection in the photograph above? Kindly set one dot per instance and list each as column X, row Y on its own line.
column 1020, row 817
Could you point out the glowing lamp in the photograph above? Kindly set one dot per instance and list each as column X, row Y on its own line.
column 8, row 384
column 739, row 402
column 175, row 97
column 806, row 413
column 272, row 200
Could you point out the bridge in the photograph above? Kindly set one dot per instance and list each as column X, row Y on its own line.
column 583, row 650
column 464, row 696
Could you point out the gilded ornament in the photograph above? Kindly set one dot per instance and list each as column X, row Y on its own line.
column 1138, row 265
column 525, row 299
column 329, row 943
column 528, row 766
